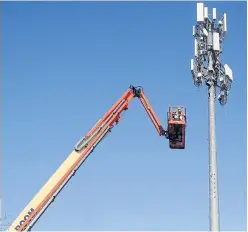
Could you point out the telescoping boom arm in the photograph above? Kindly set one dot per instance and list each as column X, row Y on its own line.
column 37, row 206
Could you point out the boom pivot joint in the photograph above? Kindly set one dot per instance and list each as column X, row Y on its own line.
column 136, row 91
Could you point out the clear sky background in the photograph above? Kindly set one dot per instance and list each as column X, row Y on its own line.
column 65, row 64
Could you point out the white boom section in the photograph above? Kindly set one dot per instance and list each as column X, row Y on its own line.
column 37, row 206
column 51, row 183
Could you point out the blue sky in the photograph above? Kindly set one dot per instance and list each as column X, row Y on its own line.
column 65, row 64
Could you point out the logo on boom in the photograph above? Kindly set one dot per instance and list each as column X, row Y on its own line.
column 24, row 219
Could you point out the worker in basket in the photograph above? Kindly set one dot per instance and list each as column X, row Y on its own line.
column 178, row 116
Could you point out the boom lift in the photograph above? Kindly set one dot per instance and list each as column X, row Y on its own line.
column 175, row 132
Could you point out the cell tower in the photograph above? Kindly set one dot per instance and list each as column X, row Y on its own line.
column 209, row 35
